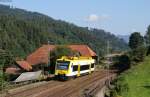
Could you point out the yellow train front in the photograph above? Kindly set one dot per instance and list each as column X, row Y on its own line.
column 68, row 67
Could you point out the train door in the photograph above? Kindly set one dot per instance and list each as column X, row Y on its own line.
column 89, row 68
column 78, row 70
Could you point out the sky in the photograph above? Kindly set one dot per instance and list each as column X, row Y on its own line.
column 121, row 17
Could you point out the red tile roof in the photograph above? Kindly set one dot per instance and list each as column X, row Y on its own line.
column 40, row 56
column 83, row 49
column 12, row 70
column 25, row 65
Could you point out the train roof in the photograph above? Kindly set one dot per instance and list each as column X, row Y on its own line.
column 65, row 58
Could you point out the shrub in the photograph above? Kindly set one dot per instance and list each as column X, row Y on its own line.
column 138, row 55
column 123, row 63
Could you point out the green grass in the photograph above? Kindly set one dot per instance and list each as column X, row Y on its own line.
column 138, row 80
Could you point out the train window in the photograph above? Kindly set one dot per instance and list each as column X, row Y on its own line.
column 63, row 65
column 92, row 65
column 84, row 67
column 75, row 67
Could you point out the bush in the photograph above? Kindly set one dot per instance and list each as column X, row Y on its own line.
column 138, row 55
column 123, row 63
column 121, row 86
column 3, row 80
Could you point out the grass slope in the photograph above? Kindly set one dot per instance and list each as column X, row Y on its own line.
column 138, row 80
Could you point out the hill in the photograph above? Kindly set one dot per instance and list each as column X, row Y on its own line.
column 23, row 31
column 124, row 37
column 136, row 81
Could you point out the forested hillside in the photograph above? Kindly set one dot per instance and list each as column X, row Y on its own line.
column 22, row 31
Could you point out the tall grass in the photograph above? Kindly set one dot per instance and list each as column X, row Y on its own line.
column 137, row 79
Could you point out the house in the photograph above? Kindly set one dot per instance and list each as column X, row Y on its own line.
column 17, row 68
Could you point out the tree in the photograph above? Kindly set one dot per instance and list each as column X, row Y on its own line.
column 58, row 52
column 6, row 59
column 136, row 43
column 147, row 40
column 136, row 40
column 147, row 36
column 137, row 55
column 62, row 51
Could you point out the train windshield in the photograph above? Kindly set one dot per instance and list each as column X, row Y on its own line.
column 63, row 65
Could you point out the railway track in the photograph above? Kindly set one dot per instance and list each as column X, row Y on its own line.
column 70, row 88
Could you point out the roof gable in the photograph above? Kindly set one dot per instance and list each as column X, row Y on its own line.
column 25, row 65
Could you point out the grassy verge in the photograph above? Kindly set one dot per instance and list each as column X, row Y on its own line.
column 136, row 81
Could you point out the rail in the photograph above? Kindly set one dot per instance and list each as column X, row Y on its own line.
column 95, row 88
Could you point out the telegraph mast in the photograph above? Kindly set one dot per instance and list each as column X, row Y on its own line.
column 108, row 57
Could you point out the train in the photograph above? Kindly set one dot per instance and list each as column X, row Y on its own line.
column 65, row 68
column 72, row 67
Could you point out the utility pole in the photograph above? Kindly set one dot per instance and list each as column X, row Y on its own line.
column 49, row 54
column 108, row 57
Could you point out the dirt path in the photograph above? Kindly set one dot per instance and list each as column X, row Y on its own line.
column 70, row 88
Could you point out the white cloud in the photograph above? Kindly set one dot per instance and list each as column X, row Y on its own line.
column 96, row 18
column 92, row 18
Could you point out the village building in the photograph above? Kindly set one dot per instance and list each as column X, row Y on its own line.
column 40, row 58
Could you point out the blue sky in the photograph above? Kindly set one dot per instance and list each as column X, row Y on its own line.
column 117, row 16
